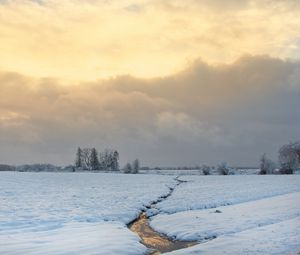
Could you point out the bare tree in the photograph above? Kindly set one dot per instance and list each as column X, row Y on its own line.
column 127, row 168
column 135, row 166
column 104, row 159
column 109, row 160
column 205, row 169
column 296, row 147
column 115, row 161
column 223, row 169
column 78, row 159
column 267, row 166
column 86, row 157
column 95, row 164
column 288, row 159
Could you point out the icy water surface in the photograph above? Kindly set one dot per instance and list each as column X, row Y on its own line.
column 155, row 241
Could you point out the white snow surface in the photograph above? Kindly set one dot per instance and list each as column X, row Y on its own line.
column 99, row 238
column 209, row 223
column 66, row 213
column 246, row 215
column 201, row 192
column 282, row 238
column 87, row 213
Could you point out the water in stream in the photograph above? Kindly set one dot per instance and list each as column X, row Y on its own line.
column 156, row 242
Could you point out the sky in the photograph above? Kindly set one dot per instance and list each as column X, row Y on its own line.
column 179, row 82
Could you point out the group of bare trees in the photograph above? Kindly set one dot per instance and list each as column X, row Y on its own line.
column 267, row 166
column 288, row 157
column 90, row 159
column 222, row 169
column 132, row 168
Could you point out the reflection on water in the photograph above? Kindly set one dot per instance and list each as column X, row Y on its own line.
column 154, row 240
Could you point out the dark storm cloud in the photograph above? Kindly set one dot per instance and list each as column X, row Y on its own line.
column 203, row 114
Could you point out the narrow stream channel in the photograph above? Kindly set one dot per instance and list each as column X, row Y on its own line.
column 155, row 241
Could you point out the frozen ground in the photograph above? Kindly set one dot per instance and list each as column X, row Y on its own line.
column 66, row 213
column 247, row 215
column 210, row 223
column 72, row 238
column 87, row 213
column 202, row 192
column 282, row 238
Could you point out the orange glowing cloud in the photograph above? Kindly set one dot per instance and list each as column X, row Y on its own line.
column 87, row 40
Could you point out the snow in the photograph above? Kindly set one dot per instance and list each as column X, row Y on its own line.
column 73, row 238
column 246, row 215
column 276, row 239
column 209, row 223
column 201, row 192
column 66, row 209
column 87, row 213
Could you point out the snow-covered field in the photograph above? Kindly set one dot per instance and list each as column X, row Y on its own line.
column 246, row 215
column 239, row 171
column 74, row 213
column 280, row 238
column 202, row 192
column 87, row 213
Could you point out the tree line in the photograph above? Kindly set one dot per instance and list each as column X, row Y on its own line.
column 288, row 158
column 91, row 159
column 108, row 160
column 132, row 168
column 288, row 162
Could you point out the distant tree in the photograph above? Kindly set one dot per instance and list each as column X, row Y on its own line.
column 102, row 161
column 86, row 158
column 223, row 169
column 115, row 161
column 288, row 159
column 127, row 168
column 105, row 159
column 205, row 169
column 109, row 159
column 94, row 161
column 90, row 159
column 78, row 159
column 135, row 166
column 7, row 168
column 267, row 166
column 296, row 147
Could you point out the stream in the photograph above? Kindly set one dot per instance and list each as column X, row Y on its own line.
column 156, row 242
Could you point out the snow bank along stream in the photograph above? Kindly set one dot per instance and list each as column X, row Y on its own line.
column 230, row 215
column 157, row 243
column 87, row 213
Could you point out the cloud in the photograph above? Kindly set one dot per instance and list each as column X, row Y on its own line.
column 204, row 113
column 87, row 40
